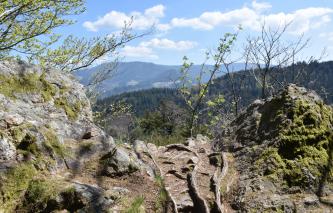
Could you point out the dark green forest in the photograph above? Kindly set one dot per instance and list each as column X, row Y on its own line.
column 315, row 76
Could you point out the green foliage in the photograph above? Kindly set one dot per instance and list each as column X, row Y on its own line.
column 19, row 132
column 163, row 197
column 196, row 94
column 162, row 127
column 77, row 53
column 27, row 26
column 117, row 109
column 28, row 144
column 163, row 140
column 13, row 185
column 154, row 122
column 39, row 193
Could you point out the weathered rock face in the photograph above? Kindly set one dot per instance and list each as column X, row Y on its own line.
column 192, row 174
column 7, row 150
column 283, row 153
column 118, row 162
column 51, row 153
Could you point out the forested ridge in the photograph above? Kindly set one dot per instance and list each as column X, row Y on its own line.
column 315, row 76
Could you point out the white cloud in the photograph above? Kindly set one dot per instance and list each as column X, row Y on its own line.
column 209, row 20
column 138, row 52
column 169, row 44
column 261, row 6
column 115, row 19
column 252, row 17
column 301, row 20
column 145, row 49
column 249, row 16
column 194, row 23
column 156, row 11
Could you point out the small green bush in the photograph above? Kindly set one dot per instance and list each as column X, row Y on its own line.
column 39, row 193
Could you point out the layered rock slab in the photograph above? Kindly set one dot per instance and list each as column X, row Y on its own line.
column 190, row 172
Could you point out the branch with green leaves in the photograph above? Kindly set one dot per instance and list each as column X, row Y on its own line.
column 26, row 26
column 78, row 53
column 195, row 93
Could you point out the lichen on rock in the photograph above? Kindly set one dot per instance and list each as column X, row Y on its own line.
column 47, row 137
column 284, row 140
column 303, row 125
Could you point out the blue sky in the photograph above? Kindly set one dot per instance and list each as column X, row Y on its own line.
column 189, row 28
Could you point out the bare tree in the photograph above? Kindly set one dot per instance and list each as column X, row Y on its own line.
column 236, row 81
column 270, row 53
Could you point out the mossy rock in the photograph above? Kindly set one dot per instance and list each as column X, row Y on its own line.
column 41, row 194
column 72, row 110
column 13, row 185
column 298, row 127
column 28, row 144
column 53, row 145
column 27, row 83
column 34, row 83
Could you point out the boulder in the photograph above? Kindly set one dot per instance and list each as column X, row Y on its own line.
column 13, row 119
column 89, row 197
column 7, row 150
column 118, row 162
column 282, row 144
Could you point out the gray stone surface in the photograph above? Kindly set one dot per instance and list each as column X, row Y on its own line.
column 119, row 162
column 7, row 150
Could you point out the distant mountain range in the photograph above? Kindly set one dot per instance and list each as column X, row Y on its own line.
column 133, row 76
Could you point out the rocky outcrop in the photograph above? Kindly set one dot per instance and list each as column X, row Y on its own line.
column 282, row 154
column 52, row 156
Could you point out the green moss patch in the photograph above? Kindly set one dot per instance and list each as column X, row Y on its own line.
column 53, row 145
column 72, row 110
column 28, row 83
column 41, row 194
column 13, row 185
column 19, row 132
column 28, row 144
column 300, row 154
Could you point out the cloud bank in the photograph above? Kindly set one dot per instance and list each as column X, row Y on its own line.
column 249, row 16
